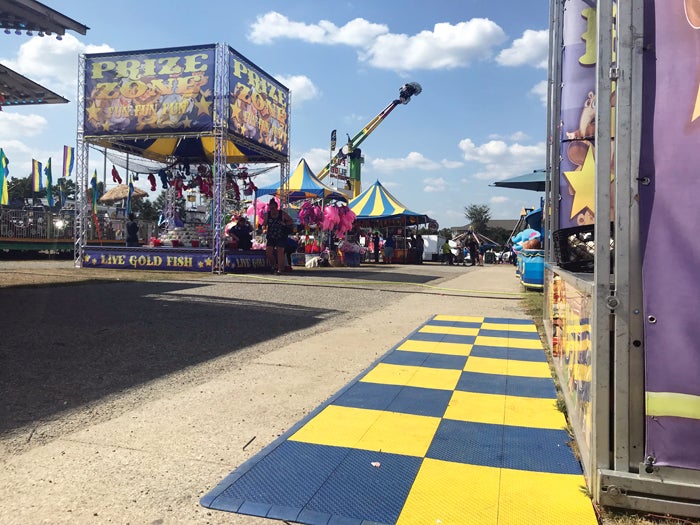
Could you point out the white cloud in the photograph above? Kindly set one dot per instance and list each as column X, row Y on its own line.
column 53, row 63
column 530, row 49
column 498, row 200
column 447, row 46
column 500, row 160
column 300, row 86
column 13, row 125
column 272, row 26
column 434, row 185
column 540, row 90
column 413, row 161
column 316, row 158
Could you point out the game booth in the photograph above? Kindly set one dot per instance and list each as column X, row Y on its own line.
column 377, row 208
column 621, row 215
column 201, row 111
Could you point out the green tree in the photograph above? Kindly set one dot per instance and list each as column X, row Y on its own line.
column 498, row 235
column 446, row 233
column 20, row 189
column 479, row 216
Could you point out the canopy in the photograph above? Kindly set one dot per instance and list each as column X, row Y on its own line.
column 534, row 181
column 303, row 184
column 121, row 192
column 184, row 149
column 376, row 203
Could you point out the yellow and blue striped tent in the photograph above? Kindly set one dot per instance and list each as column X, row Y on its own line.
column 376, row 203
column 303, row 184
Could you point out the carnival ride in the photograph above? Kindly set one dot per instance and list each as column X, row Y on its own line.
column 351, row 151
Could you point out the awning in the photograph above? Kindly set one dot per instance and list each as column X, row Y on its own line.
column 534, row 181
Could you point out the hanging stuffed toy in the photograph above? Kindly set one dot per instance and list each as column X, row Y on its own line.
column 152, row 180
column 163, row 178
column 115, row 175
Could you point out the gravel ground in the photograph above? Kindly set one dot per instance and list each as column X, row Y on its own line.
column 128, row 395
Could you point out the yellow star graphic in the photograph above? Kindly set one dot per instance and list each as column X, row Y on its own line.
column 187, row 122
column 202, row 106
column 582, row 182
column 87, row 258
column 235, row 111
column 200, row 264
column 208, row 261
column 93, row 111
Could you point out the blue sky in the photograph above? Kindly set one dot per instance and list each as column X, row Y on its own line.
column 482, row 64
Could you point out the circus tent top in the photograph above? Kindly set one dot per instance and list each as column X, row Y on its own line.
column 303, row 184
column 376, row 203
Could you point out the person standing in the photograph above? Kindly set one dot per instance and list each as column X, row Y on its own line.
column 242, row 232
column 132, row 232
column 375, row 245
column 447, row 255
column 473, row 250
column 420, row 247
column 389, row 249
column 276, row 222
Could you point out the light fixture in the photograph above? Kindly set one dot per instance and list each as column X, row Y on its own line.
column 29, row 33
column 40, row 33
column 7, row 31
column 18, row 32
column 59, row 37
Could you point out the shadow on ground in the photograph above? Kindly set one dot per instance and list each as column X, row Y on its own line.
column 64, row 346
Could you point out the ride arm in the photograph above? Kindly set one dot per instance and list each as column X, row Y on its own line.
column 405, row 94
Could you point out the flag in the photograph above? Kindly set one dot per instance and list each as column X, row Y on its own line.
column 37, row 176
column 128, row 198
column 49, row 182
column 93, row 185
column 333, row 139
column 4, row 173
column 68, row 159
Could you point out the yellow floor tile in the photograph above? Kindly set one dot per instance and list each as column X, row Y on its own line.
column 416, row 376
column 487, row 365
column 446, row 493
column 510, row 342
column 539, row 497
column 369, row 430
column 459, row 318
column 477, row 408
column 436, row 347
column 533, row 412
column 448, row 330
column 510, row 327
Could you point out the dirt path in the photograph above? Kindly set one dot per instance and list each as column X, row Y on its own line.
column 128, row 400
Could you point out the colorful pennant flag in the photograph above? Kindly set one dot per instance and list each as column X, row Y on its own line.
column 37, row 176
column 68, row 159
column 93, row 185
column 49, row 182
column 4, row 173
